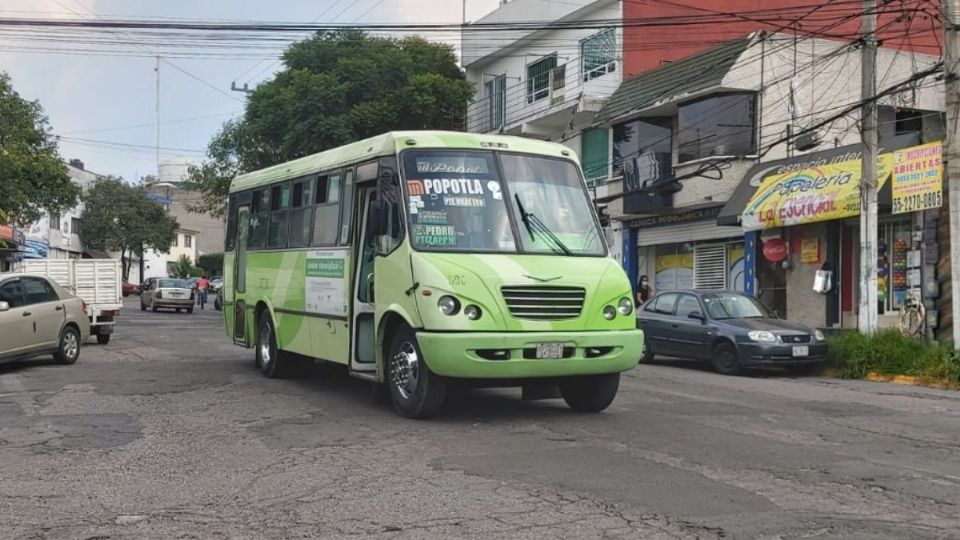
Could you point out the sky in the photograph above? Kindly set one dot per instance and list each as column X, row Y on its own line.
column 103, row 108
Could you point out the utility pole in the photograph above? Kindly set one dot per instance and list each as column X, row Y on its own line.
column 867, row 319
column 951, row 55
column 157, row 70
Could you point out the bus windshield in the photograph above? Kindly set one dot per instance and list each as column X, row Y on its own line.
column 457, row 202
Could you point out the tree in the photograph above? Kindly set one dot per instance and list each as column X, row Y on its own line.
column 335, row 88
column 183, row 268
column 211, row 263
column 33, row 178
column 120, row 217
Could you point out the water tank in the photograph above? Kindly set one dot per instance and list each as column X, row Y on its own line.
column 175, row 170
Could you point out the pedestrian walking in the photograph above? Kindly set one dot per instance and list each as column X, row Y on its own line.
column 203, row 284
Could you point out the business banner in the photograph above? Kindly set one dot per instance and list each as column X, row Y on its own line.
column 917, row 178
column 822, row 193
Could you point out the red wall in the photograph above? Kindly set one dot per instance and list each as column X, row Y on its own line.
column 647, row 47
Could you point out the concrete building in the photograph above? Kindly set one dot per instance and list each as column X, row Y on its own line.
column 207, row 232
column 688, row 136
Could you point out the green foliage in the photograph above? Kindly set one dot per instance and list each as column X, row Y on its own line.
column 33, row 178
column 211, row 263
column 196, row 271
column 120, row 217
column 889, row 352
column 336, row 87
column 183, row 268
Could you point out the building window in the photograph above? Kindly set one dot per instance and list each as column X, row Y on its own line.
column 176, row 240
column 723, row 125
column 496, row 91
column 598, row 54
column 595, row 154
column 538, row 78
column 642, row 152
column 75, row 225
column 187, row 241
column 55, row 221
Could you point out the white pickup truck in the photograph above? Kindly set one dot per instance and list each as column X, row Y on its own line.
column 96, row 281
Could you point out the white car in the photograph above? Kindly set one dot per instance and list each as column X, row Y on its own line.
column 39, row 317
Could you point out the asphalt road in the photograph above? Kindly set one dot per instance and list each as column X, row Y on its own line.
column 169, row 432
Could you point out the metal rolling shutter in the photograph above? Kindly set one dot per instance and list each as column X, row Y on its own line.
column 690, row 232
column 710, row 267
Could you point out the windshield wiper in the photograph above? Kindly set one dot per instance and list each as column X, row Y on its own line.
column 533, row 223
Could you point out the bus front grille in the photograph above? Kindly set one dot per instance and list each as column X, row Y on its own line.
column 546, row 303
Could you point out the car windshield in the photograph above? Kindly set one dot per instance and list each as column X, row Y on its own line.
column 173, row 284
column 734, row 306
column 457, row 201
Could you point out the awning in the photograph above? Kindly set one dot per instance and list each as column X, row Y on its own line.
column 800, row 167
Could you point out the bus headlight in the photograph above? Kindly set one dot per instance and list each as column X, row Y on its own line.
column 472, row 312
column 448, row 305
column 625, row 307
column 609, row 313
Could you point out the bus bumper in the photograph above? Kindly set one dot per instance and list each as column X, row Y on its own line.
column 509, row 355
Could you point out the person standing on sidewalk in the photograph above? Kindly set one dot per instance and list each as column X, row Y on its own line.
column 203, row 284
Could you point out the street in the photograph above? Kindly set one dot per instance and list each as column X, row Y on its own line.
column 170, row 432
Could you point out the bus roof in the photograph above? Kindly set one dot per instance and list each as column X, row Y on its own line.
column 389, row 144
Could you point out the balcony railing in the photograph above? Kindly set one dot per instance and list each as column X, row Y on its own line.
column 531, row 98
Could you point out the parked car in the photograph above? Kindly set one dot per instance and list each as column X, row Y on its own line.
column 39, row 317
column 145, row 285
column 129, row 289
column 732, row 330
column 216, row 284
column 218, row 302
column 193, row 282
column 168, row 293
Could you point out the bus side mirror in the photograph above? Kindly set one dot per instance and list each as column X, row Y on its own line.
column 377, row 216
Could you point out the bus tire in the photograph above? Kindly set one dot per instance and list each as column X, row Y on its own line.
column 416, row 391
column 590, row 393
column 268, row 357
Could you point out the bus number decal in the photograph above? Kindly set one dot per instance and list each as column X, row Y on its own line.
column 457, row 280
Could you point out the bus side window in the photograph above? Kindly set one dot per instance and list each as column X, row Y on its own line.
column 394, row 234
column 326, row 219
column 259, row 219
column 301, row 213
column 346, row 219
column 231, row 238
column 279, row 209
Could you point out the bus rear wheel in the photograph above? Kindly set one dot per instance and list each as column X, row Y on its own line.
column 590, row 393
column 416, row 391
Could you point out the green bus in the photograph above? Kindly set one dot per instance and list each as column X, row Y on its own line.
column 419, row 258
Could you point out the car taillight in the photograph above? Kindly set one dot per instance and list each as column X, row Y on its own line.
column 159, row 295
column 86, row 310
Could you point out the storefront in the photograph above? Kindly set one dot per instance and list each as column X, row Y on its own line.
column 685, row 250
column 801, row 223
column 11, row 242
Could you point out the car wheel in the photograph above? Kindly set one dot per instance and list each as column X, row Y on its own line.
column 69, row 349
column 590, row 393
column 190, row 309
column 648, row 355
column 725, row 359
column 103, row 339
column 154, row 308
column 416, row 391
column 268, row 357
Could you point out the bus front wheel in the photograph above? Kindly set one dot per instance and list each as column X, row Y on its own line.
column 416, row 391
column 590, row 393
column 268, row 354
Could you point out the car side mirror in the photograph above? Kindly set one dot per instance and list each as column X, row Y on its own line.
column 4, row 306
column 697, row 315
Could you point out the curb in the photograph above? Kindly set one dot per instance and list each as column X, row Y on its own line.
column 908, row 380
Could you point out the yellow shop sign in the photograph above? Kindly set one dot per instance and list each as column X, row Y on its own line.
column 822, row 193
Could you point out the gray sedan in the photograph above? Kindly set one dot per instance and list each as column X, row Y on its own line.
column 732, row 330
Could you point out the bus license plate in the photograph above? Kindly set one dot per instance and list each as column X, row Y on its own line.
column 549, row 350
column 801, row 350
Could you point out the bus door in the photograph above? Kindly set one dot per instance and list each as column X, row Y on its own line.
column 240, row 277
column 363, row 355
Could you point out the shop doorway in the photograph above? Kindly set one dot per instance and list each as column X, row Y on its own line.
column 771, row 284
